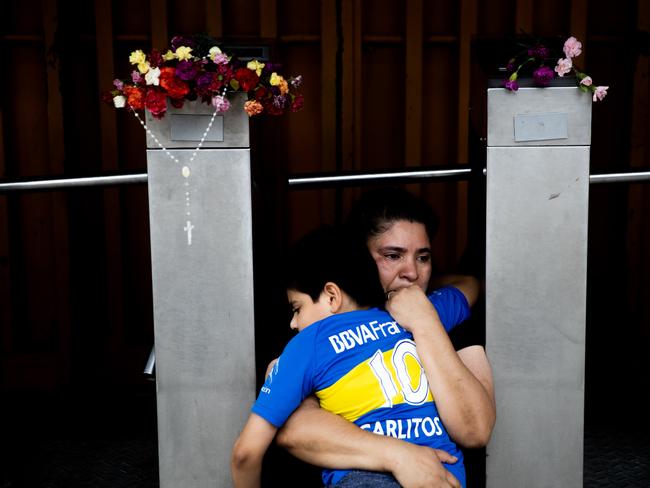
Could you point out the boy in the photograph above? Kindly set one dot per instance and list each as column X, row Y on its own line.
column 357, row 360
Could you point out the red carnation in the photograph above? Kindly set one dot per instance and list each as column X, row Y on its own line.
column 247, row 78
column 297, row 103
column 156, row 103
column 134, row 97
column 271, row 108
column 175, row 88
column 261, row 93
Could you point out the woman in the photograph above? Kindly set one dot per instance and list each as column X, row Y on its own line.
column 398, row 228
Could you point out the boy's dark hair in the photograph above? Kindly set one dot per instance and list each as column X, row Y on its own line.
column 376, row 210
column 330, row 254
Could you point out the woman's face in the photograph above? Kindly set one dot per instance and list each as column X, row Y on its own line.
column 403, row 256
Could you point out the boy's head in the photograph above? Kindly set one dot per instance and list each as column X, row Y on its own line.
column 329, row 272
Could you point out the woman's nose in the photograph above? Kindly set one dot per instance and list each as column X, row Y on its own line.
column 409, row 270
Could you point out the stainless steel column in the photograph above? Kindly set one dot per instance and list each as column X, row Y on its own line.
column 201, row 250
column 537, row 206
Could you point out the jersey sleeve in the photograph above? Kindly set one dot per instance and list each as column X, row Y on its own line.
column 289, row 382
column 451, row 305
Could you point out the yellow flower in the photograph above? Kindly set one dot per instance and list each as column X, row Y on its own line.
column 276, row 79
column 137, row 57
column 184, row 53
column 256, row 66
column 168, row 56
column 143, row 67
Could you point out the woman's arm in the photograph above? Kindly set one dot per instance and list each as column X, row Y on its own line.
column 462, row 388
column 324, row 439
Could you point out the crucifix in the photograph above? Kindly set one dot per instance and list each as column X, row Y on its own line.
column 188, row 228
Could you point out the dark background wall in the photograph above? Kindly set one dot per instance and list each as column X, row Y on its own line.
column 388, row 85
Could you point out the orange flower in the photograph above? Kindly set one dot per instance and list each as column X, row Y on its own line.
column 175, row 87
column 134, row 97
column 253, row 107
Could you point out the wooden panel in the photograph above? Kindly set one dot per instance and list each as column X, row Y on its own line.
column 5, row 271
column 59, row 250
column 112, row 224
column 383, row 135
column 213, row 18
column 638, row 232
column 351, row 84
column 241, row 18
column 413, row 85
column 268, row 19
column 159, row 35
column 467, row 30
column 524, row 16
column 552, row 18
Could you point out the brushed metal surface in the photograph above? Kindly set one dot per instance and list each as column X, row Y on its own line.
column 202, row 271
column 536, row 265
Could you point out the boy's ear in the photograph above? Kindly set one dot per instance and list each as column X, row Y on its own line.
column 334, row 296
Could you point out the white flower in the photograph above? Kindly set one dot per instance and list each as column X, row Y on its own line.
column 214, row 50
column 153, row 76
column 119, row 101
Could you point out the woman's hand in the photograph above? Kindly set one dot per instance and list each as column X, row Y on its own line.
column 411, row 308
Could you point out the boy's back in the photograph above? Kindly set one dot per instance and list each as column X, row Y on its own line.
column 363, row 366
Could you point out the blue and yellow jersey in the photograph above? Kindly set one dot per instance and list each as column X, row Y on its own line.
column 363, row 366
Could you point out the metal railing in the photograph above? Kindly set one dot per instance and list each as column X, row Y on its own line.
column 300, row 181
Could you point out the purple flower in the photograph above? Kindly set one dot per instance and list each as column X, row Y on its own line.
column 539, row 51
column 280, row 101
column 511, row 85
column 119, row 84
column 543, row 76
column 186, row 70
column 178, row 41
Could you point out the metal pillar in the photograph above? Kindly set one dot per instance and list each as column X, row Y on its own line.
column 536, row 244
column 201, row 251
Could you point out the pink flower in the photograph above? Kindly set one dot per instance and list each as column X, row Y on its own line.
column 221, row 104
column 586, row 81
column 600, row 92
column 563, row 66
column 136, row 77
column 572, row 47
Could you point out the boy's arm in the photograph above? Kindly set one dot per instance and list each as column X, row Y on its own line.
column 465, row 402
column 324, row 439
column 248, row 452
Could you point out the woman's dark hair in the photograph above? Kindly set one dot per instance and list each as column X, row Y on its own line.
column 331, row 254
column 377, row 210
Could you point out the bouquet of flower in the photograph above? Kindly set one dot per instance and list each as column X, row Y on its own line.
column 195, row 68
column 536, row 57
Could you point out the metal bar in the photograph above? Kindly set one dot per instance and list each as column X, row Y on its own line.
column 620, row 177
column 73, row 182
column 296, row 181
column 151, row 363
column 304, row 181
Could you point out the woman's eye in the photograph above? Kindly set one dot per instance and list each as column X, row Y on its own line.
column 392, row 257
column 425, row 258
